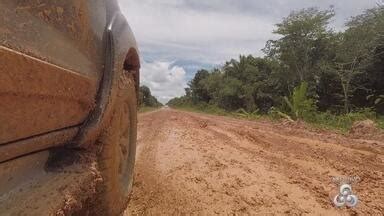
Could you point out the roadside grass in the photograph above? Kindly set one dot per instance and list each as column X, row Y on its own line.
column 147, row 109
column 342, row 123
column 204, row 109
column 380, row 122
column 213, row 110
column 327, row 120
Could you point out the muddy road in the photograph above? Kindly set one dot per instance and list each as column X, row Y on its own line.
column 197, row 164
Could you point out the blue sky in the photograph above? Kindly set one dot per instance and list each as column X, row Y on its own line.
column 177, row 37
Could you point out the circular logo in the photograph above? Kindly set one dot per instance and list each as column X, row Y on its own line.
column 345, row 197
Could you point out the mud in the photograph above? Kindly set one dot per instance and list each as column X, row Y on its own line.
column 41, row 188
column 38, row 97
column 205, row 165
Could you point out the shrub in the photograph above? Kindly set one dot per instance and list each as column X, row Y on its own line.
column 343, row 122
column 300, row 106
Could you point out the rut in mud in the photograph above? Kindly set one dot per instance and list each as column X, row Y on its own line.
column 191, row 163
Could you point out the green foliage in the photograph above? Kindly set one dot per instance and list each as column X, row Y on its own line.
column 230, row 95
column 144, row 109
column 146, row 99
column 310, row 73
column 300, row 106
column 302, row 46
column 201, row 107
column 249, row 115
column 196, row 87
column 277, row 114
column 359, row 56
column 380, row 122
column 342, row 122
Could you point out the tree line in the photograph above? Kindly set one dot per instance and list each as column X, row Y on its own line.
column 146, row 99
column 310, row 68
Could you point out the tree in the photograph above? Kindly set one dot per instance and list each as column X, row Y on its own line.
column 355, row 49
column 198, row 92
column 212, row 84
column 370, row 27
column 230, row 95
column 338, row 71
column 146, row 98
column 302, row 45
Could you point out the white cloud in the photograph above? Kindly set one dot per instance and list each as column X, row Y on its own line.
column 208, row 36
column 164, row 80
column 212, row 31
column 209, row 32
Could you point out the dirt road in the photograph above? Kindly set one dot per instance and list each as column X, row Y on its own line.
column 198, row 164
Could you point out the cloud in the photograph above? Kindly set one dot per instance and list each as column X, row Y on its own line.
column 215, row 30
column 165, row 80
column 196, row 34
column 169, row 29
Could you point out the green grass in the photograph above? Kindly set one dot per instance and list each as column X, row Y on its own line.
column 380, row 122
column 203, row 109
column 329, row 121
column 214, row 110
column 341, row 123
column 147, row 109
column 326, row 120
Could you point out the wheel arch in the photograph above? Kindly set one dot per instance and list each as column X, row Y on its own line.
column 121, row 54
column 132, row 65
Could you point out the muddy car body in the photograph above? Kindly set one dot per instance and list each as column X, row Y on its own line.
column 69, row 72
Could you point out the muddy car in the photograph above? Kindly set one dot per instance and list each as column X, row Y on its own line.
column 69, row 75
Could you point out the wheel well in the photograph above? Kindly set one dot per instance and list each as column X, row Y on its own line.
column 132, row 65
column 132, row 60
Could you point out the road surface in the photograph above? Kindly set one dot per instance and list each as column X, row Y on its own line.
column 189, row 163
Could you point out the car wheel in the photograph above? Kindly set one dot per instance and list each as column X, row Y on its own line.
column 117, row 156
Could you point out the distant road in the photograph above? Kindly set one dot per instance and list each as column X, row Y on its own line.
column 190, row 163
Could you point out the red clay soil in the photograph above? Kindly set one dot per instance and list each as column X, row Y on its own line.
column 190, row 163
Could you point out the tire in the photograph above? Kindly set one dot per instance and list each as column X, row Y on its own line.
column 117, row 156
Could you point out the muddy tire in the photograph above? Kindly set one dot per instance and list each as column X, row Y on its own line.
column 117, row 156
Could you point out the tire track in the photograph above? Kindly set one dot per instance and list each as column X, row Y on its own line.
column 198, row 164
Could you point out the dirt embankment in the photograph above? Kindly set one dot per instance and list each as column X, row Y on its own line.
column 204, row 165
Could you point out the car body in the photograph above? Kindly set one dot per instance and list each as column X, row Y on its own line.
column 63, row 67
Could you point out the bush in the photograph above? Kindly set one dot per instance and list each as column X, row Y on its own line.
column 343, row 122
column 299, row 105
column 206, row 108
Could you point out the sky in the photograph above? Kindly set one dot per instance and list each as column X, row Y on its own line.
column 178, row 37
